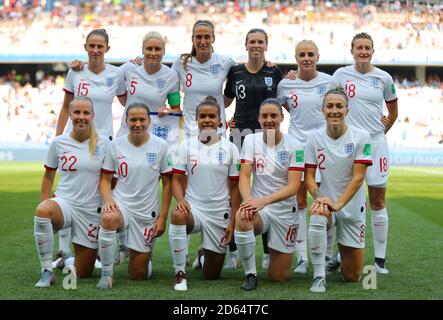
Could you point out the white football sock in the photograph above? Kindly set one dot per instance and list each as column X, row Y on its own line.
column 44, row 240
column 245, row 241
column 106, row 250
column 64, row 238
column 379, row 224
column 123, row 237
column 330, row 241
column 178, row 241
column 300, row 244
column 317, row 243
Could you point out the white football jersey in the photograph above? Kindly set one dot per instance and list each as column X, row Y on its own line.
column 79, row 174
column 335, row 159
column 150, row 89
column 138, row 170
column 305, row 101
column 101, row 89
column 208, row 169
column 366, row 93
column 198, row 82
column 271, row 167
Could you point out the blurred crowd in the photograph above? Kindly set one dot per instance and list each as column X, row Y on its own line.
column 60, row 26
column 28, row 114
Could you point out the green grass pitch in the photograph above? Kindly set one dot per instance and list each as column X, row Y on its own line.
column 414, row 256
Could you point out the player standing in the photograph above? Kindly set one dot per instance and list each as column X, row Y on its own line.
column 368, row 87
column 202, row 73
column 250, row 84
column 211, row 197
column 303, row 99
column 342, row 154
column 139, row 159
column 276, row 164
column 100, row 82
column 151, row 82
column 79, row 156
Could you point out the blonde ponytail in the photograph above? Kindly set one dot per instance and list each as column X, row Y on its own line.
column 92, row 140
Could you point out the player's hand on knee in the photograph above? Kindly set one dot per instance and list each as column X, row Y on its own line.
column 110, row 206
column 183, row 207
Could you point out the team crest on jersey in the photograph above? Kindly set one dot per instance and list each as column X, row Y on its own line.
column 215, row 69
column 282, row 156
column 161, row 83
column 375, row 82
column 268, row 81
column 109, row 82
column 161, row 131
column 151, row 158
column 221, row 156
column 321, row 90
column 349, row 148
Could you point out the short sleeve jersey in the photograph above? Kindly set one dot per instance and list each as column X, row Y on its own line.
column 79, row 173
column 366, row 93
column 305, row 102
column 199, row 81
column 138, row 170
column 101, row 89
column 150, row 89
column 208, row 169
column 249, row 90
column 271, row 167
column 335, row 159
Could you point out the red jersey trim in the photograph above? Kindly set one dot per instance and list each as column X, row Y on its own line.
column 166, row 173
column 368, row 162
column 246, row 161
column 392, row 101
column 308, row 165
column 235, row 178
column 178, row 171
column 49, row 168
column 296, row 169
column 122, row 95
column 107, row 171
column 67, row 91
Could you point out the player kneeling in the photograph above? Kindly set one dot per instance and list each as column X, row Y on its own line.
column 79, row 156
column 139, row 159
column 342, row 154
column 211, row 164
column 271, row 205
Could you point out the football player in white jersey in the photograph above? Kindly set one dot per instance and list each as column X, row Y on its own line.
column 151, row 82
column 341, row 153
column 202, row 73
column 303, row 98
column 270, row 204
column 211, row 198
column 100, row 82
column 368, row 88
column 139, row 159
column 79, row 156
